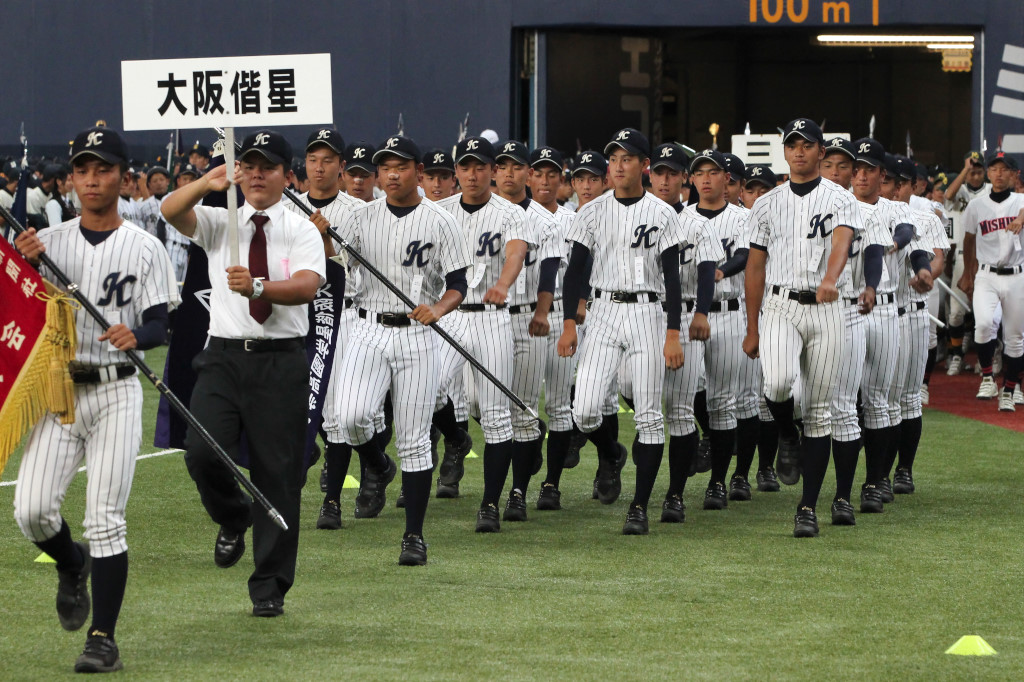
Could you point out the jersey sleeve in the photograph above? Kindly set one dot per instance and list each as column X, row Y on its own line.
column 209, row 221
column 348, row 228
column 581, row 229
column 455, row 253
column 758, row 230
column 970, row 218
column 708, row 247
column 550, row 236
column 306, row 251
column 847, row 212
column 158, row 281
column 516, row 226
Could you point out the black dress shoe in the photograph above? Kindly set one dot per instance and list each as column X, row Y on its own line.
column 229, row 548
column 268, row 608
column 414, row 551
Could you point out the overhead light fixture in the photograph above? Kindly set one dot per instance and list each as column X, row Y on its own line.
column 950, row 46
column 868, row 40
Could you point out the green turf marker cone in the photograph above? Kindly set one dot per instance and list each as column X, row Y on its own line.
column 971, row 645
column 350, row 482
column 45, row 558
column 472, row 455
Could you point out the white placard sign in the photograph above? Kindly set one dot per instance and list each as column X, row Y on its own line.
column 276, row 90
column 766, row 150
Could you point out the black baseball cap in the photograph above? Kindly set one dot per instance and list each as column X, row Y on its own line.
column 632, row 141
column 837, row 145
column 975, row 157
column 328, row 137
column 479, row 148
column 735, row 166
column 869, row 151
column 922, row 170
column 546, row 155
column 999, row 156
column 714, row 156
column 400, row 146
column 269, row 144
column 199, row 149
column 103, row 143
column 157, row 170
column 906, row 167
column 437, row 159
column 805, row 128
column 515, row 150
column 11, row 170
column 188, row 169
column 360, row 155
column 761, row 174
column 590, row 162
column 891, row 166
column 299, row 169
column 670, row 155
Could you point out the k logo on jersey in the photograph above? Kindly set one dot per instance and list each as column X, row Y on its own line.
column 490, row 244
column 686, row 254
column 727, row 245
column 417, row 254
column 114, row 288
column 817, row 224
column 855, row 246
column 645, row 236
column 531, row 258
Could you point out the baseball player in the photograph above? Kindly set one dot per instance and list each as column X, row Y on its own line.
column 419, row 245
column 760, row 180
column 438, row 175
column 199, row 156
column 737, row 176
column 993, row 262
column 499, row 238
column 360, row 173
column 799, row 236
column 124, row 272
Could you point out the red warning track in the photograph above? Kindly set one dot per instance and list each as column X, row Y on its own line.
column 955, row 395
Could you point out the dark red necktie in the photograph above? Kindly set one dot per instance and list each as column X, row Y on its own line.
column 258, row 308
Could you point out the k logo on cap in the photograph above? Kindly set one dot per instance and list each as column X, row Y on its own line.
column 587, row 158
column 322, row 135
column 94, row 139
column 359, row 153
column 392, row 142
column 262, row 139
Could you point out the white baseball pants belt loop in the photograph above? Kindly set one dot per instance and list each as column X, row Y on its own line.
column 1012, row 270
column 801, row 297
column 627, row 296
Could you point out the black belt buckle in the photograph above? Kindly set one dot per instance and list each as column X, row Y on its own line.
column 620, row 297
column 806, row 297
column 393, row 320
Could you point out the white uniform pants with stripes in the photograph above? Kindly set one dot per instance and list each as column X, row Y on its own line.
column 991, row 291
column 106, row 433
column 404, row 360
column 559, row 374
column 878, row 388
column 845, row 426
column 805, row 342
column 723, row 358
column 630, row 333
column 681, row 384
column 934, row 304
column 748, row 396
column 529, row 356
column 913, row 357
column 331, row 410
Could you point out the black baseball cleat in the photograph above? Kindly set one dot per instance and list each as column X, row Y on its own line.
column 715, row 497
column 73, row 601
column 805, row 523
column 99, row 656
column 268, row 608
column 636, row 521
column 453, row 466
column 903, row 482
column 400, row 502
column 576, row 442
column 672, row 509
column 373, row 490
column 414, row 551
column 323, row 477
column 788, row 462
column 739, row 488
column 446, row 492
column 549, row 499
column 609, row 481
column 701, row 463
column 842, row 513
column 885, row 488
column 515, row 508
column 538, row 455
column 487, row 519
column 871, row 499
column 229, row 548
column 767, row 480
column 330, row 516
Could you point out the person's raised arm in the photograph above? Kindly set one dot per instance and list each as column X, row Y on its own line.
column 178, row 207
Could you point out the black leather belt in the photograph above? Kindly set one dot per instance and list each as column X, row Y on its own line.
column 99, row 375
column 801, row 297
column 1015, row 270
column 880, row 299
column 523, row 308
column 916, row 305
column 349, row 302
column 257, row 345
column 386, row 319
column 481, row 307
column 627, row 296
column 728, row 305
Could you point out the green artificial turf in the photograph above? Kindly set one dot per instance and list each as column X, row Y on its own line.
column 727, row 595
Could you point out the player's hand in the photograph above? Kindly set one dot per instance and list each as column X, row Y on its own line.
column 719, row 275
column 239, row 280
column 922, row 283
column 539, row 326
column 29, row 245
column 321, row 222
column 567, row 342
column 966, row 285
column 121, row 336
column 827, row 292
column 700, row 328
column 217, row 179
column 673, row 350
column 1016, row 225
column 496, row 294
column 751, row 343
column 866, row 301
column 424, row 314
column 581, row 312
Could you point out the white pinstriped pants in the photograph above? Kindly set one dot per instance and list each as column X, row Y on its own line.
column 107, row 433
column 913, row 357
column 681, row 384
column 559, row 373
column 529, row 357
column 723, row 363
column 878, row 388
column 845, row 427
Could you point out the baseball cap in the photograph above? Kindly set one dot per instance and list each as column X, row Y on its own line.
column 734, row 165
column 840, row 145
column 52, row 170
column 199, row 149
column 103, row 143
column 761, row 174
column 999, row 156
column 546, row 155
column 400, row 146
column 632, row 141
column 437, row 159
column 270, row 145
column 360, row 155
column 514, row 150
column 713, row 155
column 922, row 170
column 326, row 136
column 805, row 128
column 188, row 169
column 906, row 167
column 157, row 170
column 669, row 155
column 11, row 170
column 974, row 156
column 869, row 151
column 479, row 148
column 590, row 162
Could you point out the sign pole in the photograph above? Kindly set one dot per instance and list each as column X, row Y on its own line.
column 229, row 163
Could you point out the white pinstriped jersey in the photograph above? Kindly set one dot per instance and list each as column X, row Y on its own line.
column 851, row 284
column 126, row 208
column 627, row 241
column 700, row 244
column 334, row 212
column 564, row 216
column 541, row 222
column 797, row 231
column 930, row 235
column 148, row 211
column 956, row 207
column 880, row 221
column 727, row 230
column 123, row 276
column 415, row 251
column 487, row 231
column 987, row 220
